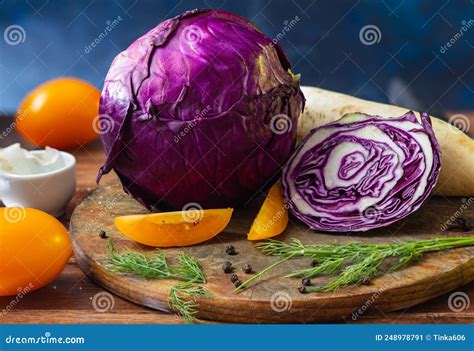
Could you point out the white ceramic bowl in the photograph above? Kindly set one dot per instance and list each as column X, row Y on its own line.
column 49, row 192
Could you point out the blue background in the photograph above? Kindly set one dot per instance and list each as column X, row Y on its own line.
column 240, row 337
column 323, row 46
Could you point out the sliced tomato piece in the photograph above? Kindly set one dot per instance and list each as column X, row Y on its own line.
column 180, row 228
column 272, row 219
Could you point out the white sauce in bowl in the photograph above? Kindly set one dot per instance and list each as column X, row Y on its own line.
column 18, row 161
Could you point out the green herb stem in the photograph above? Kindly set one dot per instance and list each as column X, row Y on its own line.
column 262, row 273
column 155, row 266
column 186, row 307
column 354, row 262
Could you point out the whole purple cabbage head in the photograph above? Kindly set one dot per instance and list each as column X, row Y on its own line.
column 203, row 108
column 362, row 172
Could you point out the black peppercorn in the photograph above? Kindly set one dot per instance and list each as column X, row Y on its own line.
column 247, row 269
column 234, row 278
column 365, row 280
column 103, row 234
column 306, row 281
column 314, row 263
column 237, row 283
column 230, row 250
column 227, row 267
column 302, row 290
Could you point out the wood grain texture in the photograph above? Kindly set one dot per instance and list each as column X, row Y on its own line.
column 69, row 298
column 274, row 299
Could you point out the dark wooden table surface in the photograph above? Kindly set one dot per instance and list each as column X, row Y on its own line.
column 69, row 299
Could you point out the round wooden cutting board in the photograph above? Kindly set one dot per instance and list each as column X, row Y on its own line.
column 274, row 299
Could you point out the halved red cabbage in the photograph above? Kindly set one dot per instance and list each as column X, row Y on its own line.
column 362, row 172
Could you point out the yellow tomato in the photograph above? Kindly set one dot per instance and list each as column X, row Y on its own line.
column 181, row 228
column 60, row 113
column 34, row 248
column 272, row 219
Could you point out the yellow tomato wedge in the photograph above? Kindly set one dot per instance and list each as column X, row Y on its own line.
column 180, row 228
column 272, row 218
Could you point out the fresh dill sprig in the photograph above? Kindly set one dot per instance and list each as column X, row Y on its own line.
column 155, row 266
column 355, row 262
column 190, row 268
column 186, row 307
